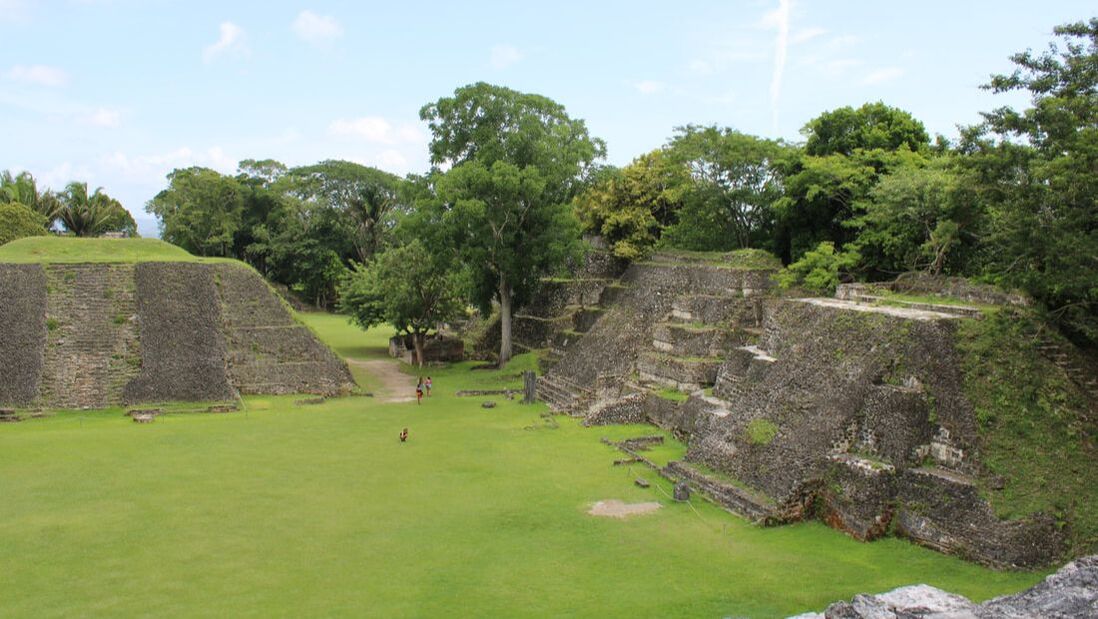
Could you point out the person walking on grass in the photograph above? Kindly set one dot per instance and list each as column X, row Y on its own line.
column 427, row 386
column 419, row 390
column 404, row 435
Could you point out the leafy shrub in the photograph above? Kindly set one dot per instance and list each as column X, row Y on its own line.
column 819, row 269
column 18, row 221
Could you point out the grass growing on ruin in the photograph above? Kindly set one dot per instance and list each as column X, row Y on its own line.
column 65, row 249
column 1033, row 423
column 286, row 510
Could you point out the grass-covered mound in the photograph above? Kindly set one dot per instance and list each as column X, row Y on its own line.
column 1037, row 432
column 64, row 249
column 318, row 510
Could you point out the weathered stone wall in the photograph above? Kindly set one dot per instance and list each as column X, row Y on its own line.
column 943, row 510
column 22, row 332
column 644, row 297
column 818, row 376
column 851, row 412
column 91, row 353
column 183, row 350
column 268, row 351
column 96, row 335
column 957, row 288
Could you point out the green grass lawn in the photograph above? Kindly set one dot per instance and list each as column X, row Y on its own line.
column 64, row 249
column 286, row 510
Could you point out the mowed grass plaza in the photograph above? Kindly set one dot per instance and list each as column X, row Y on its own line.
column 293, row 509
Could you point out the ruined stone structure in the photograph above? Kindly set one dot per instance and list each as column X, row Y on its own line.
column 839, row 409
column 96, row 335
column 1070, row 593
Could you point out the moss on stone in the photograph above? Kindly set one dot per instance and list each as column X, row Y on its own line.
column 761, row 431
column 1037, row 442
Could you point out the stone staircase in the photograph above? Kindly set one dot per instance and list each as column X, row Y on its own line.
column 92, row 350
column 1061, row 355
column 564, row 395
column 752, row 505
column 267, row 351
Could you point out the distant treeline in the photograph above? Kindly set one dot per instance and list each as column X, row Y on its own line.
column 515, row 181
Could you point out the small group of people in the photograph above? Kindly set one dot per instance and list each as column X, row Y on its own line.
column 423, row 387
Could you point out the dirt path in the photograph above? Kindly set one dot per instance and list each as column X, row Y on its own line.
column 614, row 508
column 396, row 386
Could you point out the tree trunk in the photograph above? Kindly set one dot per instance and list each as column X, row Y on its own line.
column 417, row 343
column 504, row 320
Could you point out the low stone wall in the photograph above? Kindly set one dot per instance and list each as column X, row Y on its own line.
column 183, row 352
column 22, row 332
column 944, row 511
column 683, row 374
column 957, row 288
column 691, row 341
column 856, row 496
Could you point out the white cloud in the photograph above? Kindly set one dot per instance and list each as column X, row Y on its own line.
column 230, row 40
column 62, row 174
column 317, row 29
column 391, row 159
column 805, row 35
column 13, row 10
column 649, row 87
column 39, row 74
column 151, row 169
column 883, row 75
column 698, row 66
column 503, row 56
column 778, row 19
column 375, row 129
column 104, row 117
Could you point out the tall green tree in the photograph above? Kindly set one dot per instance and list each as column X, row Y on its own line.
column 821, row 189
column 367, row 198
column 917, row 218
column 517, row 161
column 201, row 211
column 871, row 126
column 736, row 179
column 408, row 287
column 1036, row 172
column 631, row 207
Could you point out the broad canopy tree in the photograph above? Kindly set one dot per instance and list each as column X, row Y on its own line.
column 736, row 179
column 632, row 207
column 1036, row 173
column 516, row 161
column 407, row 287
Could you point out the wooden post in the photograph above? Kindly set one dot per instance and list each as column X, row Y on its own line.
column 529, row 387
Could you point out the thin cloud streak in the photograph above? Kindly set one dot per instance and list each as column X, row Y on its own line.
column 780, row 19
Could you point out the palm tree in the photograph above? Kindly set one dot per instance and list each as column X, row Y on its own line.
column 87, row 215
column 23, row 189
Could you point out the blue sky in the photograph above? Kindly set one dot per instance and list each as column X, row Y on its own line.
column 119, row 92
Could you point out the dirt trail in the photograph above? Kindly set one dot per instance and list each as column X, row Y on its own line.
column 396, row 386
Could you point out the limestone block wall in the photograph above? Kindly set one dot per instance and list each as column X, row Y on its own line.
column 644, row 296
column 267, row 351
column 97, row 335
column 183, row 351
column 91, row 352
column 22, row 332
